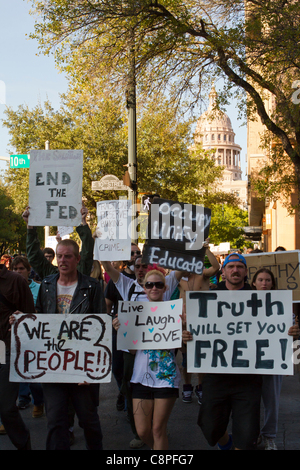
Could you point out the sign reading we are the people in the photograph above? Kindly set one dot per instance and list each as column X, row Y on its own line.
column 240, row 332
column 150, row 325
column 61, row 348
column 55, row 187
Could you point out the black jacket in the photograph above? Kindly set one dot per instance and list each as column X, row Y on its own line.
column 88, row 296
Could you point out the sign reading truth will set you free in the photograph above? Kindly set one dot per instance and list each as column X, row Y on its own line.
column 243, row 332
column 55, row 187
column 61, row 348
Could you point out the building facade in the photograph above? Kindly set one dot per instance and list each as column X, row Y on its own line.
column 214, row 131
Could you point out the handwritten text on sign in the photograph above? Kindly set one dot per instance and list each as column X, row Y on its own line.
column 150, row 325
column 176, row 232
column 58, row 348
column 55, row 187
column 240, row 332
column 114, row 240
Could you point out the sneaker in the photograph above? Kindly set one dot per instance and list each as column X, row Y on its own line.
column 136, row 444
column 187, row 394
column 23, row 405
column 269, row 443
column 38, row 411
column 198, row 392
column 228, row 446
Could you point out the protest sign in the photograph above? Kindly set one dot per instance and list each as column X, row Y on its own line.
column 61, row 348
column 285, row 265
column 150, row 325
column 240, row 332
column 114, row 241
column 2, row 353
column 55, row 187
column 176, row 232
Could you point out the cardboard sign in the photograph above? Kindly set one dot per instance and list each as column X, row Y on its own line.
column 285, row 265
column 2, row 353
column 176, row 232
column 114, row 241
column 61, row 348
column 240, row 332
column 150, row 325
column 55, row 187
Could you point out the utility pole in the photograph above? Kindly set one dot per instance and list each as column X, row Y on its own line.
column 131, row 106
column 47, row 229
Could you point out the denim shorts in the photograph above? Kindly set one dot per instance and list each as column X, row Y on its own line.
column 150, row 393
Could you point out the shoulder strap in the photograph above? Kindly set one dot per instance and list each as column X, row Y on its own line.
column 131, row 291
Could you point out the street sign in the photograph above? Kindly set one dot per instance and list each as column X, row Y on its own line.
column 20, row 161
column 109, row 183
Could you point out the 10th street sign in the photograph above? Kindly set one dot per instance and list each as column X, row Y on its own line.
column 19, row 161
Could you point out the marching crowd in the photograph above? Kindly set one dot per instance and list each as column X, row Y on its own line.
column 148, row 382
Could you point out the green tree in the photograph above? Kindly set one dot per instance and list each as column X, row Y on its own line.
column 97, row 124
column 252, row 45
column 227, row 226
column 12, row 227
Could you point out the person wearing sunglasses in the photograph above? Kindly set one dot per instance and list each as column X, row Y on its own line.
column 155, row 379
column 133, row 290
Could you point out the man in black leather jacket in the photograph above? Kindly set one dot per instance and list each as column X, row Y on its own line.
column 69, row 292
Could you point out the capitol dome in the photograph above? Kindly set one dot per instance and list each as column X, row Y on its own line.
column 214, row 131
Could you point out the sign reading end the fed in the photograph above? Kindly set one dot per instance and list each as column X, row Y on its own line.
column 55, row 187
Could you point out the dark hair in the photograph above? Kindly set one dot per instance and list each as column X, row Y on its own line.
column 49, row 251
column 18, row 260
column 263, row 270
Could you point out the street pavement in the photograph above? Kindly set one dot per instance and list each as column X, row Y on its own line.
column 184, row 433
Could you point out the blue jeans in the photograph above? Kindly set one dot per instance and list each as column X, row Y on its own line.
column 85, row 399
column 10, row 415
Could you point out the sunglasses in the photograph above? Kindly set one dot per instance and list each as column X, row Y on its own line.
column 135, row 253
column 158, row 285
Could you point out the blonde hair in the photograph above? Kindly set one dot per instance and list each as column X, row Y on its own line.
column 156, row 273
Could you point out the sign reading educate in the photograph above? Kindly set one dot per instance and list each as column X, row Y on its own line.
column 150, row 325
column 55, row 187
column 61, row 348
column 176, row 232
column 240, row 332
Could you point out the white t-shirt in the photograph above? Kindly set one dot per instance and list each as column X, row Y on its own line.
column 152, row 368
column 64, row 297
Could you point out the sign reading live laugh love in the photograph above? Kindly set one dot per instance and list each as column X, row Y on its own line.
column 61, row 348
column 150, row 325
column 176, row 232
column 55, row 187
column 242, row 332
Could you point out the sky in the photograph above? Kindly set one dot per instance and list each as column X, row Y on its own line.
column 28, row 77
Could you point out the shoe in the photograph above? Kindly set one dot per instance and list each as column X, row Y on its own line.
column 136, row 444
column 227, row 446
column 23, row 405
column 198, row 392
column 187, row 393
column 120, row 402
column 269, row 443
column 2, row 430
column 38, row 411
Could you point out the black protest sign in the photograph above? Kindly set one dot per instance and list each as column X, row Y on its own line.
column 176, row 232
column 240, row 332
